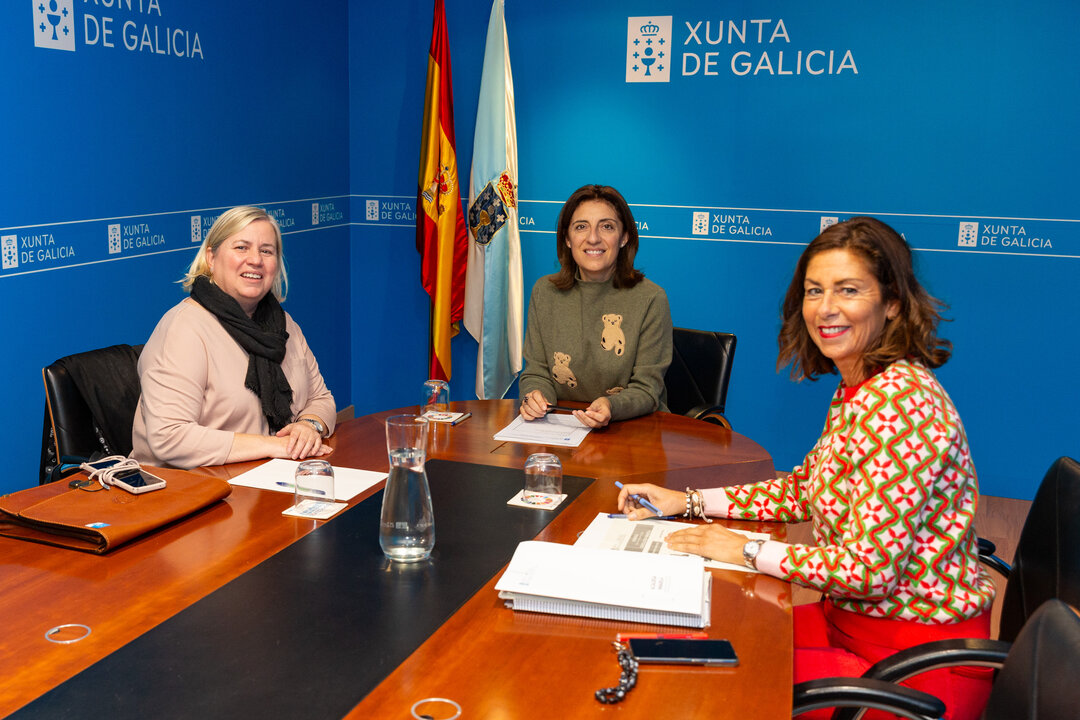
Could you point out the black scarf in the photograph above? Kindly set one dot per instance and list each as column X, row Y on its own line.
column 263, row 336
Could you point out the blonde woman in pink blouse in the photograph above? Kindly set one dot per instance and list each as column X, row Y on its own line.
column 227, row 375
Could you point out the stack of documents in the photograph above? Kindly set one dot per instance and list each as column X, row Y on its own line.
column 608, row 584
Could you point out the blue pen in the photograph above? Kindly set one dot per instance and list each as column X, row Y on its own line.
column 642, row 501
column 316, row 491
column 617, row 516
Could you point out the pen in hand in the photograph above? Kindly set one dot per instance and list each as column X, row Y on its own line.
column 559, row 408
column 642, row 501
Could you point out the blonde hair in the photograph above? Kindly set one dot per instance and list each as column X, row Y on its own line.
column 228, row 224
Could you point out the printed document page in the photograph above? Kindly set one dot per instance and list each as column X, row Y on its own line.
column 646, row 536
column 552, row 429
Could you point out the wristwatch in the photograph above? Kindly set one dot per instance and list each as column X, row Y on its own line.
column 317, row 424
column 750, row 552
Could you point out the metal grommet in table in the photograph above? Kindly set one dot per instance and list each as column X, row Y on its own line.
column 447, row 701
column 49, row 634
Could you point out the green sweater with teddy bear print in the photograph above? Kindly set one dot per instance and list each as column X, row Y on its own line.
column 594, row 340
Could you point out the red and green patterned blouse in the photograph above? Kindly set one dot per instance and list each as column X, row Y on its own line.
column 891, row 490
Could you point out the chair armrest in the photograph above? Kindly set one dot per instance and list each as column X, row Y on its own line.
column 940, row 654
column 66, row 465
column 992, row 561
column 864, row 693
column 710, row 414
column 933, row 656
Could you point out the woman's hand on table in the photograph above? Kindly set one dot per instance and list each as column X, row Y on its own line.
column 534, row 406
column 712, row 541
column 597, row 415
column 302, row 440
column 669, row 502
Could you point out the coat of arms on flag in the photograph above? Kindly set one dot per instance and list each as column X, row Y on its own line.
column 444, row 184
column 487, row 215
column 507, row 190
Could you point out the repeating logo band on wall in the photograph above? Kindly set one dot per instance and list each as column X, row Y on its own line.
column 46, row 247
column 137, row 26
column 935, row 233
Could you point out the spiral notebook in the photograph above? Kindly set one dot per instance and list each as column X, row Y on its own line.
column 608, row 584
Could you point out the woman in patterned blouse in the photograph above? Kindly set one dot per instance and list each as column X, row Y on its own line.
column 890, row 486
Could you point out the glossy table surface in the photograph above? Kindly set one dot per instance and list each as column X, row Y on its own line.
column 495, row 662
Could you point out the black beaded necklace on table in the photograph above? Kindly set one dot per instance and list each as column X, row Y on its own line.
column 627, row 679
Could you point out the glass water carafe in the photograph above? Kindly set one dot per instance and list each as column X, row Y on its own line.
column 407, row 525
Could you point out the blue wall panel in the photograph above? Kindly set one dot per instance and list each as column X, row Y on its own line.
column 124, row 130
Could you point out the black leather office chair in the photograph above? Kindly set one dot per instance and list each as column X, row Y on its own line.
column 1047, row 560
column 90, row 401
column 1036, row 681
column 697, row 379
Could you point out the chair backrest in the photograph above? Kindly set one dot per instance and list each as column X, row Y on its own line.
column 90, row 401
column 697, row 379
column 1039, row 678
column 1047, row 562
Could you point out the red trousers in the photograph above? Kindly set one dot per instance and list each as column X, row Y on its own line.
column 830, row 642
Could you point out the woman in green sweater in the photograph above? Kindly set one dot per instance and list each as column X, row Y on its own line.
column 598, row 331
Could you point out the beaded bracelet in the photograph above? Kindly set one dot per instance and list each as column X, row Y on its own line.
column 695, row 505
column 699, row 506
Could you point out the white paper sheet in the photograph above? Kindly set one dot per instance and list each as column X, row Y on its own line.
column 278, row 474
column 647, row 536
column 552, row 429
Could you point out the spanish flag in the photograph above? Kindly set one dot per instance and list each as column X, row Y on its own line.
column 441, row 239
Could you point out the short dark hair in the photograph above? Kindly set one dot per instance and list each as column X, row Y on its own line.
column 911, row 334
column 625, row 276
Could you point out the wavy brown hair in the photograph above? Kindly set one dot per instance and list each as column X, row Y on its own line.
column 911, row 334
column 625, row 275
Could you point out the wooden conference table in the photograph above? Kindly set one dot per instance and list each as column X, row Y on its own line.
column 165, row 594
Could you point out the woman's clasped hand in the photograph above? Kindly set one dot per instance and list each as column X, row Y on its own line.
column 302, row 441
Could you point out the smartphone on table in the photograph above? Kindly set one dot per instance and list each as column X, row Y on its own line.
column 684, row 651
column 137, row 480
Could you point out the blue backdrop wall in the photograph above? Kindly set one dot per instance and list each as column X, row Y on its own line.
column 130, row 124
column 124, row 137
column 756, row 124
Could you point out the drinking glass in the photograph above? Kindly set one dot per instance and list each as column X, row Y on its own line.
column 543, row 478
column 436, row 396
column 407, row 524
column 314, row 480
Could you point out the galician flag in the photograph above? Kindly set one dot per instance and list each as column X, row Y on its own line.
column 441, row 239
column 493, row 292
